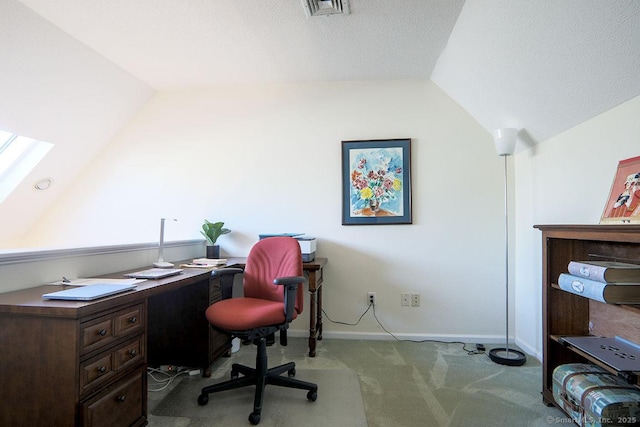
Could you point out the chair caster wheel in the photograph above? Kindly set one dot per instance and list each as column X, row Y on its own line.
column 291, row 372
column 203, row 399
column 312, row 395
column 254, row 418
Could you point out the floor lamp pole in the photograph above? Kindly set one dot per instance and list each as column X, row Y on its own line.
column 506, row 254
column 505, row 144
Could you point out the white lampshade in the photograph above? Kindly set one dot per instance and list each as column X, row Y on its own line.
column 505, row 139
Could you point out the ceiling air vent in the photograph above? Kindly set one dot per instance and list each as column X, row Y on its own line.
column 325, row 7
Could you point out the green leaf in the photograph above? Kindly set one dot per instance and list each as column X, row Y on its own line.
column 211, row 231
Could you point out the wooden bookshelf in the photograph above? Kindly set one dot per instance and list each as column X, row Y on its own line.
column 567, row 314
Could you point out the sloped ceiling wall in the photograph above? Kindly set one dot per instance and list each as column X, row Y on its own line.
column 543, row 66
column 54, row 88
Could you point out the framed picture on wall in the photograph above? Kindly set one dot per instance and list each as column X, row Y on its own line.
column 623, row 205
column 376, row 182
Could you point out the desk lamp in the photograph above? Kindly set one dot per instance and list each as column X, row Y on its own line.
column 161, row 262
column 505, row 140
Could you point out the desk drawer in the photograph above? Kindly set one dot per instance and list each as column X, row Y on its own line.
column 101, row 331
column 215, row 290
column 129, row 353
column 102, row 367
column 120, row 404
column 127, row 321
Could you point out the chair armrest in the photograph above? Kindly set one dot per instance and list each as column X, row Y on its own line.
column 289, row 280
column 290, row 284
column 226, row 279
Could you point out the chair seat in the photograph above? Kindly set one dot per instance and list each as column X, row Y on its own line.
column 241, row 314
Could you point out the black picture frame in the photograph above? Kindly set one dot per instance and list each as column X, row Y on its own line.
column 376, row 182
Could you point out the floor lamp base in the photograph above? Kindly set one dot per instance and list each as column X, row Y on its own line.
column 510, row 357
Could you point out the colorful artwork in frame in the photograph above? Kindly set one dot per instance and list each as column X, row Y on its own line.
column 623, row 205
column 376, row 182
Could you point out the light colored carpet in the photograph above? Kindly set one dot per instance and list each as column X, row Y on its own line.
column 402, row 384
column 339, row 403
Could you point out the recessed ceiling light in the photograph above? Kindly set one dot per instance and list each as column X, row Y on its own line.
column 43, row 184
column 325, row 7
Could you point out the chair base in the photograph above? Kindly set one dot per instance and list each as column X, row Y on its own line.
column 260, row 376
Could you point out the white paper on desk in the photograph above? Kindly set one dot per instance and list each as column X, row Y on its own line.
column 92, row 281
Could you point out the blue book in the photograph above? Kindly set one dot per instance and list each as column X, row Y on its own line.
column 610, row 293
column 606, row 271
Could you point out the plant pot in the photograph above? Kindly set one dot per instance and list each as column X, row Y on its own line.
column 213, row 252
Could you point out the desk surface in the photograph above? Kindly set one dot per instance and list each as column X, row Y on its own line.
column 30, row 301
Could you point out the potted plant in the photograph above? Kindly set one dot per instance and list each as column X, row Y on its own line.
column 211, row 231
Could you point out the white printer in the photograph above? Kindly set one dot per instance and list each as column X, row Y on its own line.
column 308, row 247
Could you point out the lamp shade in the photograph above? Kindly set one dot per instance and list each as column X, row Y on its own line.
column 505, row 139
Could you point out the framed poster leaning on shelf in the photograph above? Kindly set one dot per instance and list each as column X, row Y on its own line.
column 623, row 205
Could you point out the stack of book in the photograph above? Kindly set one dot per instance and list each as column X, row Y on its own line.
column 208, row 263
column 611, row 282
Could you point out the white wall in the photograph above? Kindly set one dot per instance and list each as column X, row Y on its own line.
column 565, row 180
column 268, row 159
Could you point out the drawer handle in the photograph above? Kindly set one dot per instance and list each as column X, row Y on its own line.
column 132, row 353
column 102, row 332
column 121, row 398
column 102, row 369
column 133, row 319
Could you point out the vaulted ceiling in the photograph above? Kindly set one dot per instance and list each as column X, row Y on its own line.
column 542, row 66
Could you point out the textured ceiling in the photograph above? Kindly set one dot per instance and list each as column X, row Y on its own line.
column 177, row 43
column 542, row 66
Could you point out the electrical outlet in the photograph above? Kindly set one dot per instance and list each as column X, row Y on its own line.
column 405, row 300
column 415, row 300
column 371, row 298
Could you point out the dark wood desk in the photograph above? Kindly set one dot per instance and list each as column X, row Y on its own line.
column 68, row 363
column 313, row 271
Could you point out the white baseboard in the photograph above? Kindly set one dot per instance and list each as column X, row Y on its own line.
column 381, row 336
column 529, row 349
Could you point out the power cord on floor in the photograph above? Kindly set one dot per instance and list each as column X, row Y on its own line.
column 464, row 345
column 163, row 378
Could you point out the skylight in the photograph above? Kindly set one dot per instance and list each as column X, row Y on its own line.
column 18, row 156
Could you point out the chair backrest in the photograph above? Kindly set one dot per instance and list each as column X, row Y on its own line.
column 268, row 259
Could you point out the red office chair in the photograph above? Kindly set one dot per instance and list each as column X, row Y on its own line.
column 273, row 296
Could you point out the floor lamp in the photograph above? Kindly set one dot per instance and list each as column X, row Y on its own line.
column 505, row 140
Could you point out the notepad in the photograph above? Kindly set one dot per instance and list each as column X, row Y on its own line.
column 89, row 292
column 154, row 273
